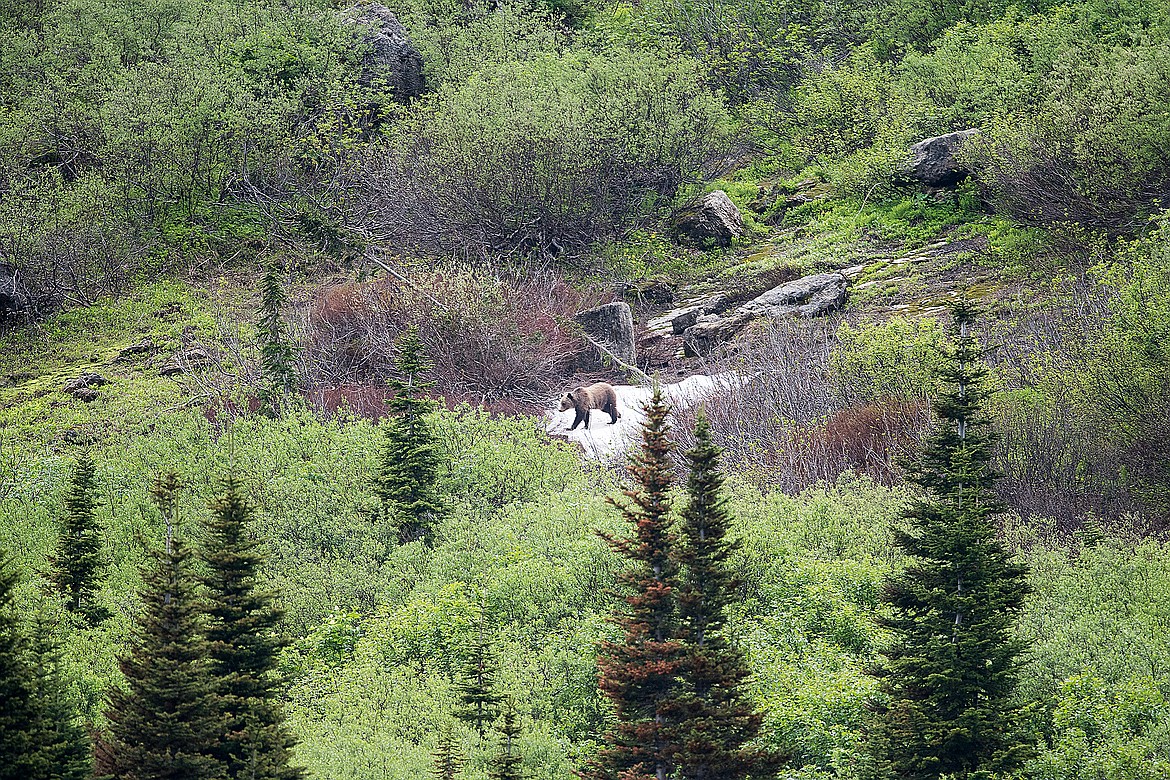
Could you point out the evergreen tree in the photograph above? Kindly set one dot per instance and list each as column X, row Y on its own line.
column 64, row 742
column 713, row 717
column 244, row 645
column 477, row 697
column 20, row 755
column 41, row 737
column 166, row 723
column 507, row 763
column 638, row 673
column 408, row 474
column 951, row 670
column 447, row 761
column 276, row 352
column 77, row 562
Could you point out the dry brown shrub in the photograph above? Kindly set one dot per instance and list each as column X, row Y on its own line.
column 791, row 423
column 497, row 340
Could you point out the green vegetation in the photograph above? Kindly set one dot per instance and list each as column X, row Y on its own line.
column 354, row 297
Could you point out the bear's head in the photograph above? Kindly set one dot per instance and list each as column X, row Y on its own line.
column 567, row 402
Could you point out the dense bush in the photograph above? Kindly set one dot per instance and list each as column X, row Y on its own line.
column 127, row 127
column 546, row 155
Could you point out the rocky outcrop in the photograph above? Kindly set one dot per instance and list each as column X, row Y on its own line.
column 612, row 327
column 392, row 57
column 933, row 161
column 713, row 219
column 84, row 387
column 809, row 296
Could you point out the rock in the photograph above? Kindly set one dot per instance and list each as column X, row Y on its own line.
column 143, row 347
column 713, row 219
column 611, row 325
column 933, row 163
column 185, row 360
column 14, row 298
column 809, row 296
column 83, row 387
column 392, row 57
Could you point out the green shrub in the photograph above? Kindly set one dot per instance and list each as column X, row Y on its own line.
column 550, row 154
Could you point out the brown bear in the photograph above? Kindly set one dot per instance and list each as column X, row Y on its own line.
column 586, row 399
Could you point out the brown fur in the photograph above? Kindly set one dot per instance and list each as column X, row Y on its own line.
column 585, row 399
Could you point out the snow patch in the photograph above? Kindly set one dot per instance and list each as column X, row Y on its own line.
column 603, row 439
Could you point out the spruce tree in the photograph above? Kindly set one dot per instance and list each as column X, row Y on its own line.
column 77, row 561
column 406, row 484
column 166, row 724
column 638, row 674
column 244, row 645
column 41, row 737
column 447, row 761
column 950, row 672
column 508, row 764
column 478, row 701
column 712, row 715
column 278, row 373
column 21, row 757
column 64, row 742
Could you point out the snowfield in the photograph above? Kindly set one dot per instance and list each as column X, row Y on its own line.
column 604, row 440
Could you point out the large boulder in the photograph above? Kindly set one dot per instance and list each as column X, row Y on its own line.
column 809, row 296
column 392, row 57
column 612, row 327
column 713, row 219
column 933, row 161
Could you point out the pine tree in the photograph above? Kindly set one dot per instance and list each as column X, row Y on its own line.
column 713, row 717
column 951, row 670
column 507, row 763
column 638, row 674
column 244, row 645
column 77, row 562
column 447, row 761
column 166, row 723
column 406, row 485
column 276, row 353
column 477, row 697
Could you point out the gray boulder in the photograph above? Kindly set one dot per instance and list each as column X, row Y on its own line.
column 809, row 296
column 611, row 326
column 713, row 219
column 933, row 162
column 392, row 57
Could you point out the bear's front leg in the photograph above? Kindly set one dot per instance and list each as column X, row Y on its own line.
column 581, row 415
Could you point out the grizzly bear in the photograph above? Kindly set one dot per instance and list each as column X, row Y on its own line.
column 586, row 399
